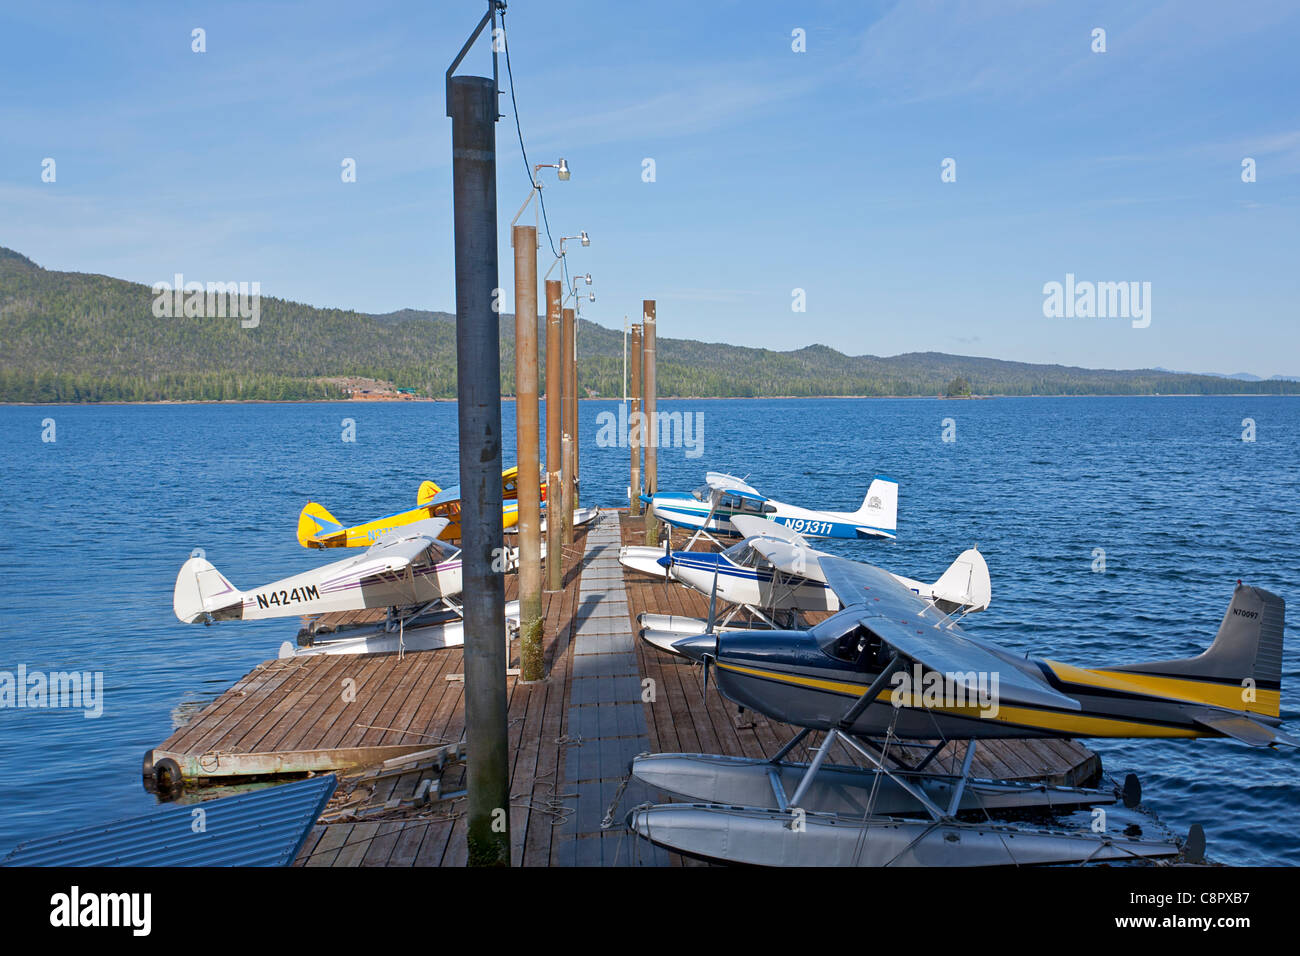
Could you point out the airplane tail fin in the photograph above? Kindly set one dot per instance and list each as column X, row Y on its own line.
column 966, row 582
column 1246, row 653
column 880, row 506
column 201, row 590
column 315, row 520
column 428, row 490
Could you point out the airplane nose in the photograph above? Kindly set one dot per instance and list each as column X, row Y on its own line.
column 697, row 647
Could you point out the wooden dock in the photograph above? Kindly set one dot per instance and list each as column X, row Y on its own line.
column 392, row 728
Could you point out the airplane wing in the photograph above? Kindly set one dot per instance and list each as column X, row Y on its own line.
column 961, row 660
column 785, row 549
column 865, row 584
column 402, row 545
column 1243, row 728
column 719, row 481
column 910, row 626
column 752, row 525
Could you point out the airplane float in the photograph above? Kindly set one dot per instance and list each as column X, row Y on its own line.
column 891, row 667
column 708, row 510
column 775, row 575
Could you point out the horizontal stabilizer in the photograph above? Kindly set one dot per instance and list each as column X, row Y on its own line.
column 1243, row 728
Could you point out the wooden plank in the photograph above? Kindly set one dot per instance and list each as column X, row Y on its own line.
column 353, row 850
column 260, row 734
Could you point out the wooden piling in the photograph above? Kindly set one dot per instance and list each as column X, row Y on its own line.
column 649, row 385
column 554, row 429
column 633, row 420
column 528, row 454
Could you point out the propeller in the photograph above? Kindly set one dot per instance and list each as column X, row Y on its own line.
column 667, row 562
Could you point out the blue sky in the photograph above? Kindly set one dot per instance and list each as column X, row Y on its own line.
column 775, row 170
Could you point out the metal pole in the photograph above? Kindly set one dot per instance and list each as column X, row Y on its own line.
column 633, row 431
column 554, row 430
column 573, row 429
column 473, row 109
column 567, row 497
column 651, row 419
column 528, row 454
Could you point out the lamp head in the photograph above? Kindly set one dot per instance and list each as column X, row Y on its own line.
column 562, row 171
column 585, row 240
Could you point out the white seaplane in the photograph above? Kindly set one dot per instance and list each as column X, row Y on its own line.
column 775, row 575
column 710, row 508
column 408, row 571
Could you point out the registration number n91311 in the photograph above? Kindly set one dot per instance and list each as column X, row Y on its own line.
column 808, row 525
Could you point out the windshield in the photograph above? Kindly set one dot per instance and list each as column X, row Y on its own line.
column 845, row 638
column 743, row 555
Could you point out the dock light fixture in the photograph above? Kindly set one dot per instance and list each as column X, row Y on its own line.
column 573, row 293
column 582, row 235
column 561, row 173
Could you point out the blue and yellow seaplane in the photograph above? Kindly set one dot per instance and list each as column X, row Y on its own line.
column 709, row 508
column 892, row 667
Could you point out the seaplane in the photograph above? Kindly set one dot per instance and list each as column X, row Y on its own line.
column 411, row 572
column 775, row 576
column 891, row 667
column 709, row 509
column 318, row 528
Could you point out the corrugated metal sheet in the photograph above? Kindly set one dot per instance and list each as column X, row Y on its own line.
column 265, row 827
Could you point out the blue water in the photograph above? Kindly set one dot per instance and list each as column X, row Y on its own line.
column 96, row 524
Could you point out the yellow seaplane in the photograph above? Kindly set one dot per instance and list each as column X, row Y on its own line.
column 318, row 528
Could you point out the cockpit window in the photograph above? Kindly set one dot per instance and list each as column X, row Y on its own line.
column 701, row 493
column 743, row 555
column 849, row 641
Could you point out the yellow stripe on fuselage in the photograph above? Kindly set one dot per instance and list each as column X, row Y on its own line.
column 1065, row 723
column 364, row 535
column 1190, row 690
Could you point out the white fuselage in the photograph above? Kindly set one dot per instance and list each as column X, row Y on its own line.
column 351, row 585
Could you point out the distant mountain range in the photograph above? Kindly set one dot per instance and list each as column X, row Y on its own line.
column 77, row 337
column 1239, row 376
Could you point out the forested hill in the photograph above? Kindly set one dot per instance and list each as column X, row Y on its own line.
column 75, row 337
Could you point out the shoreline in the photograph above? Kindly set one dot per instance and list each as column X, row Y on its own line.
column 662, row 398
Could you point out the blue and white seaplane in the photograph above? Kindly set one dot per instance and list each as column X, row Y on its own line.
column 775, row 575
column 708, row 510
